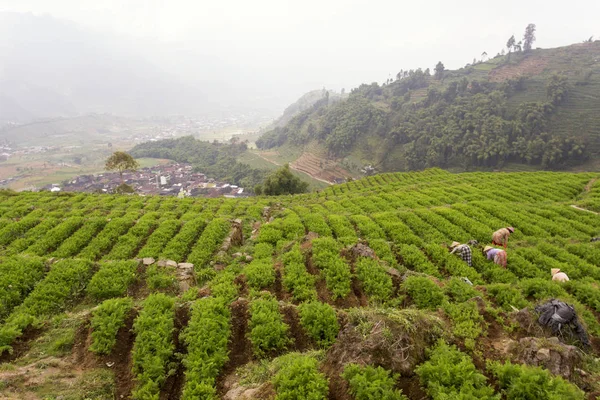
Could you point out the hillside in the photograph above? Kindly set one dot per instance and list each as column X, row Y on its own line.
column 537, row 109
column 347, row 293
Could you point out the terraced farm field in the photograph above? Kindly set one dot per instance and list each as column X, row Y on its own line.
column 346, row 293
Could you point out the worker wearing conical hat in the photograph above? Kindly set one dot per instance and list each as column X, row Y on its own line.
column 500, row 237
column 463, row 250
column 497, row 255
column 559, row 276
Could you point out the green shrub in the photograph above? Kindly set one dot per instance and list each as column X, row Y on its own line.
column 153, row 346
column 61, row 286
column 320, row 321
column 112, row 279
column 161, row 278
column 107, row 319
column 520, row 382
column 539, row 289
column 269, row 233
column 223, row 286
column 263, row 250
column 459, row 291
column 268, row 332
column 424, row 292
column 367, row 382
column 260, row 273
column 507, row 296
column 377, row 283
column 451, row 374
column 206, row 338
column 299, row 379
column 18, row 277
column 296, row 278
column 326, row 257
column 466, row 320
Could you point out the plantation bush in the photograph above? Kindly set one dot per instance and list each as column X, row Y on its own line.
column 179, row 246
column 467, row 323
column 112, row 279
column 106, row 239
column 107, row 319
column 320, row 322
column 532, row 383
column 161, row 278
column 260, row 273
column 377, row 283
column 507, row 296
column 450, row 374
column 18, row 277
column 268, row 332
column 296, row 279
column 206, row 338
column 459, row 291
column 299, row 378
column 210, row 240
column 367, row 382
column 153, row 346
column 159, row 238
column 424, row 292
column 263, row 250
column 337, row 273
column 541, row 288
column 55, row 236
column 223, row 287
column 61, row 286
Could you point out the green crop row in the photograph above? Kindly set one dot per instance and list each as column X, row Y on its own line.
column 296, row 279
column 129, row 244
column 268, row 332
column 376, row 282
column 178, row 248
column 326, row 257
column 367, row 382
column 105, row 240
column 73, row 245
column 153, row 346
column 106, row 321
column 55, row 236
column 210, row 240
column 62, row 285
column 112, row 279
column 18, row 277
column 159, row 238
column 206, row 338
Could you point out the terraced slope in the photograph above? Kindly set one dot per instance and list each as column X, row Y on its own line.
column 348, row 293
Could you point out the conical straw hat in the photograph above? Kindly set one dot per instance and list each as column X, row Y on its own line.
column 487, row 248
column 554, row 271
column 454, row 244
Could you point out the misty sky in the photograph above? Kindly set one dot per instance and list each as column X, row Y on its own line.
column 309, row 44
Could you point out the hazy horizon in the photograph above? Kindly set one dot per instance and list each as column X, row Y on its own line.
column 271, row 52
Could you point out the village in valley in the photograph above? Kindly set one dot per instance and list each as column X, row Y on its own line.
column 175, row 179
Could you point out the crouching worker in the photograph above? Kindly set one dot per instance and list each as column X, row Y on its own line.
column 500, row 237
column 555, row 314
column 496, row 255
column 463, row 250
column 559, row 276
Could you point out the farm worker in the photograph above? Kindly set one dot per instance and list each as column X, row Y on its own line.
column 463, row 250
column 500, row 237
column 558, row 276
column 497, row 255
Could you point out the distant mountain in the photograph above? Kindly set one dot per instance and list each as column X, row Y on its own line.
column 540, row 108
column 50, row 67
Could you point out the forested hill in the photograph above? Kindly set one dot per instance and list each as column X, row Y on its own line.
column 540, row 107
